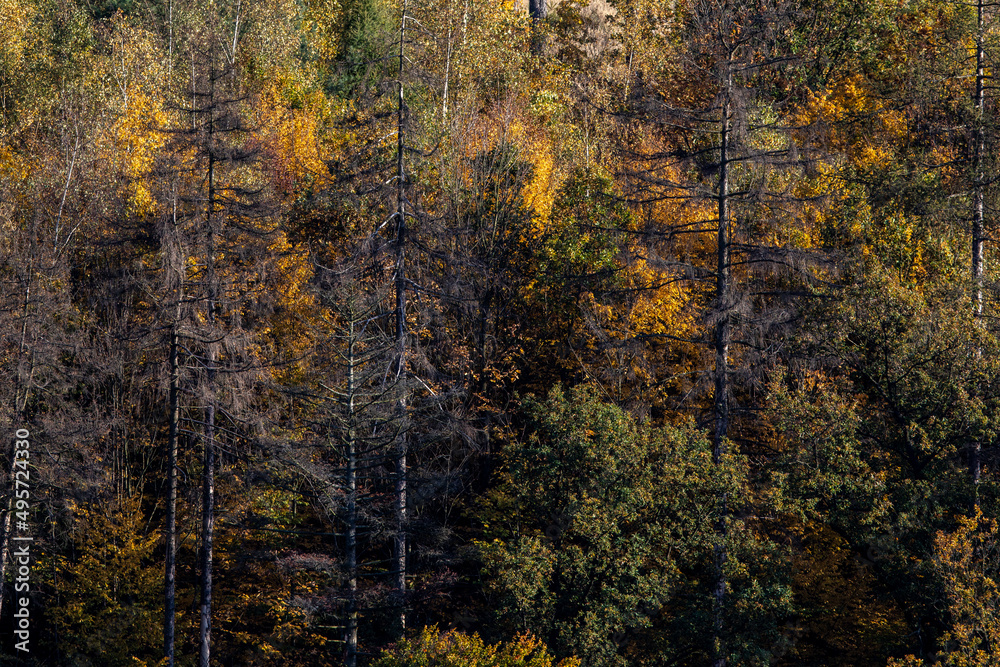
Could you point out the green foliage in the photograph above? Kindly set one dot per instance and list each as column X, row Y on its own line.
column 878, row 448
column 927, row 371
column 104, row 9
column 577, row 262
column 365, row 55
column 581, row 248
column 601, row 532
column 822, row 472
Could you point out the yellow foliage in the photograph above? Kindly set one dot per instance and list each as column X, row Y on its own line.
column 14, row 166
column 291, row 273
column 112, row 590
column 539, row 193
column 137, row 143
column 291, row 138
column 505, row 125
column 497, row 40
column 969, row 561
column 659, row 308
column 134, row 73
column 15, row 24
column 453, row 649
column 322, row 25
column 850, row 98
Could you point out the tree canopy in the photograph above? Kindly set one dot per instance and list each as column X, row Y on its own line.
column 427, row 332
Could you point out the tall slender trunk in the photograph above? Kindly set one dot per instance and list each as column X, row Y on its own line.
column 722, row 295
column 208, row 476
column 207, row 532
column 170, row 566
column 352, row 512
column 170, row 38
column 484, row 316
column 400, row 316
column 465, row 38
column 722, row 339
column 208, row 508
column 174, row 416
column 447, row 73
column 977, row 220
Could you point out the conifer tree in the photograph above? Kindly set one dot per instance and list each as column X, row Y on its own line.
column 723, row 167
column 219, row 222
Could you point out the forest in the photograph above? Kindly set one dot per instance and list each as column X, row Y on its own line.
column 447, row 333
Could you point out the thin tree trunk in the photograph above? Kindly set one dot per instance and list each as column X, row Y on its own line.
column 352, row 513
column 465, row 38
column 208, row 490
column 170, row 38
column 447, row 73
column 207, row 532
column 400, row 316
column 170, row 564
column 722, row 339
column 484, row 317
column 537, row 11
column 977, row 222
column 208, row 476
column 170, row 577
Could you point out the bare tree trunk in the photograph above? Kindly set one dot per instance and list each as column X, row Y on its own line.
column 484, row 316
column 537, row 11
column 447, row 72
column 170, row 566
column 207, row 532
column 722, row 339
column 352, row 509
column 977, row 220
column 208, row 476
column 400, row 316
column 170, row 560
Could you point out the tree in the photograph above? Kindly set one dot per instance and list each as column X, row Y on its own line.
column 112, row 585
column 599, row 529
column 399, row 314
column 352, row 399
column 967, row 560
column 870, row 442
column 980, row 184
column 50, row 205
column 217, row 245
column 728, row 159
